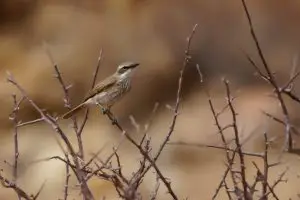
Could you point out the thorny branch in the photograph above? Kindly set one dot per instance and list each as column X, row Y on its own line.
column 14, row 118
column 53, row 123
column 20, row 192
column 249, row 190
column 127, row 187
column 138, row 146
column 237, row 140
column 271, row 79
column 229, row 158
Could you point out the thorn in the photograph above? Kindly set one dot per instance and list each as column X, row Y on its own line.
column 69, row 86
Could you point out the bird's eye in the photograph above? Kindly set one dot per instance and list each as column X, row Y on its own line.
column 123, row 69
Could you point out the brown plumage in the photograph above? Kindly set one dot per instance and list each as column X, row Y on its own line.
column 108, row 91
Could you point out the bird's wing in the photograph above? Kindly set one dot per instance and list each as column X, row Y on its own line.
column 100, row 87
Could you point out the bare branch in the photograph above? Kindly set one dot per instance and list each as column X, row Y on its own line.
column 29, row 122
column 191, row 144
column 272, row 80
column 85, row 118
column 20, row 192
column 52, row 122
column 237, row 140
column 14, row 119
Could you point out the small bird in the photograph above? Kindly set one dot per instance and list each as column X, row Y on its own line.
column 109, row 91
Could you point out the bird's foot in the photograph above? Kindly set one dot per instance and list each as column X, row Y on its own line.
column 104, row 111
column 114, row 121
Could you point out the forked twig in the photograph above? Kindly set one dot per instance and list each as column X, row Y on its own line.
column 270, row 79
column 53, row 123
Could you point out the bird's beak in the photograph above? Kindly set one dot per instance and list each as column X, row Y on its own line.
column 134, row 65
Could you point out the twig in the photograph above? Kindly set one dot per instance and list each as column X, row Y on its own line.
column 155, row 192
column 200, row 73
column 229, row 158
column 67, row 104
column 265, row 184
column 266, row 165
column 115, row 149
column 187, row 58
column 52, row 122
column 179, row 91
column 279, row 180
column 14, row 118
column 144, row 153
column 29, row 122
column 276, row 119
column 67, row 178
column 149, row 123
column 191, row 144
column 271, row 79
column 85, row 118
column 39, row 191
column 237, row 140
column 20, row 192
column 223, row 181
column 293, row 75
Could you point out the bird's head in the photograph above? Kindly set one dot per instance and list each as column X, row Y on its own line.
column 126, row 69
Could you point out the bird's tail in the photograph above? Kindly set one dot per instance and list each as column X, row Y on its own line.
column 73, row 111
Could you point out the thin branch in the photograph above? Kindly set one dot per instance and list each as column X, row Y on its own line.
column 272, row 80
column 200, row 73
column 276, row 119
column 53, row 123
column 223, row 181
column 229, row 158
column 179, row 91
column 85, row 118
column 257, row 69
column 67, row 179
column 171, row 130
column 149, row 123
column 144, row 154
column 265, row 184
column 39, row 191
column 67, row 103
column 237, row 140
column 191, row 144
column 291, row 95
column 21, row 124
column 155, row 192
column 279, row 180
column 266, row 165
column 20, row 192
column 14, row 118
column 288, row 86
column 187, row 58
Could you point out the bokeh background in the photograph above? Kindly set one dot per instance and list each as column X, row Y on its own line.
column 154, row 34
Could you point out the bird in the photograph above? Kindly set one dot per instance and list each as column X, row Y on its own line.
column 108, row 91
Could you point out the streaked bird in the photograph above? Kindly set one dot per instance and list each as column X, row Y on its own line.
column 109, row 91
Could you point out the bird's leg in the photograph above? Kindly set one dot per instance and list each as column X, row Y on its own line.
column 104, row 109
column 111, row 117
column 114, row 121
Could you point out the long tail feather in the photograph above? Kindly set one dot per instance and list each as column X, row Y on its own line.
column 73, row 111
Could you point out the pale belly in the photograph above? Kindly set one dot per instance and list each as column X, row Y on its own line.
column 107, row 99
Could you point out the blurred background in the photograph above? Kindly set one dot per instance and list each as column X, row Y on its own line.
column 153, row 33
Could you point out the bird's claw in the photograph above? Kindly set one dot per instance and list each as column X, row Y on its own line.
column 104, row 111
column 114, row 121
